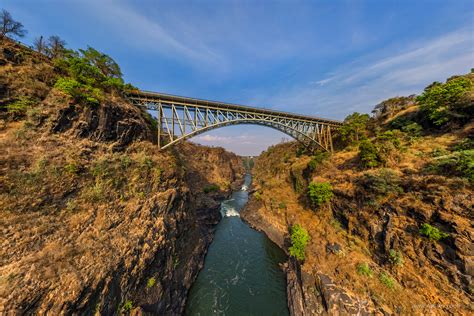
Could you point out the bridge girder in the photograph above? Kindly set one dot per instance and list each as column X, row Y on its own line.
column 180, row 118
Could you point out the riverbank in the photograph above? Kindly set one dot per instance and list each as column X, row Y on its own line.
column 306, row 294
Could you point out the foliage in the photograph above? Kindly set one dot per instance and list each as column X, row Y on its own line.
column 465, row 144
column 449, row 101
column 381, row 183
column 282, row 205
column 10, row 27
column 79, row 92
column 354, row 128
column 368, row 154
column 88, row 73
column 388, row 145
column 364, row 269
column 387, row 280
column 211, row 188
column 71, row 168
column 395, row 257
column 258, row 196
column 459, row 163
column 413, row 129
column 433, row 233
column 127, row 306
column 299, row 240
column 317, row 159
column 151, row 282
column 320, row 193
column 20, row 106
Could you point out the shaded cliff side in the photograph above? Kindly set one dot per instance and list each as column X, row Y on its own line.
column 394, row 238
column 94, row 218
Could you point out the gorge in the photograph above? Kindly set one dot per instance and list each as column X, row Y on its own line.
column 96, row 220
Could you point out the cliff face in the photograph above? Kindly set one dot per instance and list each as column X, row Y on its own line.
column 94, row 218
column 374, row 218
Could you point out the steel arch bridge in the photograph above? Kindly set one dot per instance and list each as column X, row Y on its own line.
column 180, row 118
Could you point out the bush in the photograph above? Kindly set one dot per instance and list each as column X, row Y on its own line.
column 282, row 205
column 320, row 193
column 433, row 233
column 381, row 183
column 78, row 91
column 388, row 146
column 211, row 188
column 465, row 144
column 387, row 280
column 151, row 282
column 449, row 101
column 258, row 196
column 127, row 306
column 20, row 106
column 413, row 129
column 460, row 163
column 364, row 269
column 299, row 240
column 395, row 257
column 317, row 159
column 71, row 168
column 368, row 154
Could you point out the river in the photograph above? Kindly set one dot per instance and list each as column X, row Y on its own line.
column 241, row 274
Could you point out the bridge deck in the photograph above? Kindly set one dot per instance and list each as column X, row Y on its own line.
column 168, row 98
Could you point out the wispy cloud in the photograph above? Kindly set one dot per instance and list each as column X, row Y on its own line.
column 140, row 31
column 360, row 85
column 220, row 140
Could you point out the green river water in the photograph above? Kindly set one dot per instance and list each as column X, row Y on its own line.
column 241, row 274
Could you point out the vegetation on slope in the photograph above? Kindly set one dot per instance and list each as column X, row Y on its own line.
column 397, row 192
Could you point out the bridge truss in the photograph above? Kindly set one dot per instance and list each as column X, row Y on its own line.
column 180, row 118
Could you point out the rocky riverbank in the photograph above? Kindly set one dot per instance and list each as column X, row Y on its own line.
column 306, row 294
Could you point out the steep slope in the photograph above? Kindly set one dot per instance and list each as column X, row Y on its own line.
column 367, row 251
column 94, row 218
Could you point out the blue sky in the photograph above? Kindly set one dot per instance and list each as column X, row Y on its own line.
column 324, row 58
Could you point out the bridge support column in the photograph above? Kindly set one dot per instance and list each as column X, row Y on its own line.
column 159, row 119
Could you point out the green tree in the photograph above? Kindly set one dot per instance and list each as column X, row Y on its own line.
column 368, row 154
column 107, row 66
column 354, row 128
column 319, row 193
column 299, row 241
column 443, row 102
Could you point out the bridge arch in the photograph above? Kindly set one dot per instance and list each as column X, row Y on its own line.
column 297, row 135
column 180, row 118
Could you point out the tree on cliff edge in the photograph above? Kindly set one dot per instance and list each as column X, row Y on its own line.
column 10, row 27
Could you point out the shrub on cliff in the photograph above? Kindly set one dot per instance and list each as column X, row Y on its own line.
column 380, row 183
column 433, row 233
column 354, row 128
column 87, row 73
column 459, row 163
column 211, row 188
column 450, row 101
column 364, row 269
column 368, row 154
column 317, row 159
column 299, row 241
column 319, row 193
